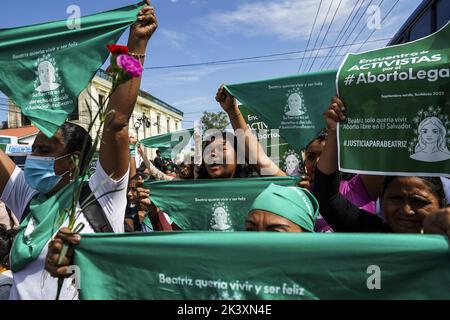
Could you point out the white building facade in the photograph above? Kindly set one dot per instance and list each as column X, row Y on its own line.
column 151, row 116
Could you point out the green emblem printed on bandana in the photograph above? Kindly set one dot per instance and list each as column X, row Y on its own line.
column 293, row 104
column 44, row 67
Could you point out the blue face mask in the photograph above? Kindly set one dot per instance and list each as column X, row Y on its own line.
column 40, row 173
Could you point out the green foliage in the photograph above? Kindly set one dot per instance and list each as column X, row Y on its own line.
column 214, row 120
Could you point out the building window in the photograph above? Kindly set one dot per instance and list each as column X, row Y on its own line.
column 25, row 121
column 75, row 113
column 176, row 126
column 101, row 99
column 168, row 125
column 158, row 123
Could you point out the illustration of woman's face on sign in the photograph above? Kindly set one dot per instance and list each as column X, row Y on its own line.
column 295, row 103
column 47, row 77
column 430, row 133
column 432, row 141
column 220, row 218
column 433, row 132
column 292, row 165
column 46, row 72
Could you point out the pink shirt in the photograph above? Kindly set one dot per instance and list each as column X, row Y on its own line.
column 354, row 191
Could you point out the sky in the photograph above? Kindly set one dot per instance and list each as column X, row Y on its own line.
column 199, row 31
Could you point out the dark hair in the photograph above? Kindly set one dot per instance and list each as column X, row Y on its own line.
column 73, row 136
column 6, row 240
column 320, row 137
column 185, row 170
column 242, row 170
column 434, row 183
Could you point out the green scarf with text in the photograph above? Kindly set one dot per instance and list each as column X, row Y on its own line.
column 294, row 105
column 211, row 204
column 263, row 265
column 44, row 67
column 45, row 216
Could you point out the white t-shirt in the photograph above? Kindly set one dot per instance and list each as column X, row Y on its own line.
column 33, row 281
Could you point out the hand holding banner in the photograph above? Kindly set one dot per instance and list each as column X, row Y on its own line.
column 44, row 67
column 211, row 204
column 293, row 105
column 263, row 265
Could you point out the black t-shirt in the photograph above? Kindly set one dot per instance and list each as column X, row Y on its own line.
column 159, row 163
column 338, row 212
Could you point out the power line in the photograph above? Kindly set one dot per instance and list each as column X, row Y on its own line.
column 363, row 28
column 350, row 35
column 290, row 59
column 9, row 110
column 359, row 48
column 321, row 28
column 269, row 60
column 353, row 29
column 392, row 8
column 328, row 30
column 339, row 40
column 219, row 62
column 341, row 33
column 194, row 112
column 310, row 34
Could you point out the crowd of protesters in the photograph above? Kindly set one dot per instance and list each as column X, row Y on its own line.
column 324, row 201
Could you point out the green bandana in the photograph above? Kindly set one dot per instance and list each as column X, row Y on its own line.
column 166, row 153
column 283, row 154
column 211, row 204
column 44, row 67
column 45, row 216
column 294, row 105
column 295, row 204
column 169, row 140
column 263, row 265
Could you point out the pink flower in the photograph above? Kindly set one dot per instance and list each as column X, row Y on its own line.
column 130, row 65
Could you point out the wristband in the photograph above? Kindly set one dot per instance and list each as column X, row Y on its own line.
column 137, row 55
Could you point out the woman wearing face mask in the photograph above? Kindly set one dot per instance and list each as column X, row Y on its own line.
column 39, row 195
column 410, row 204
